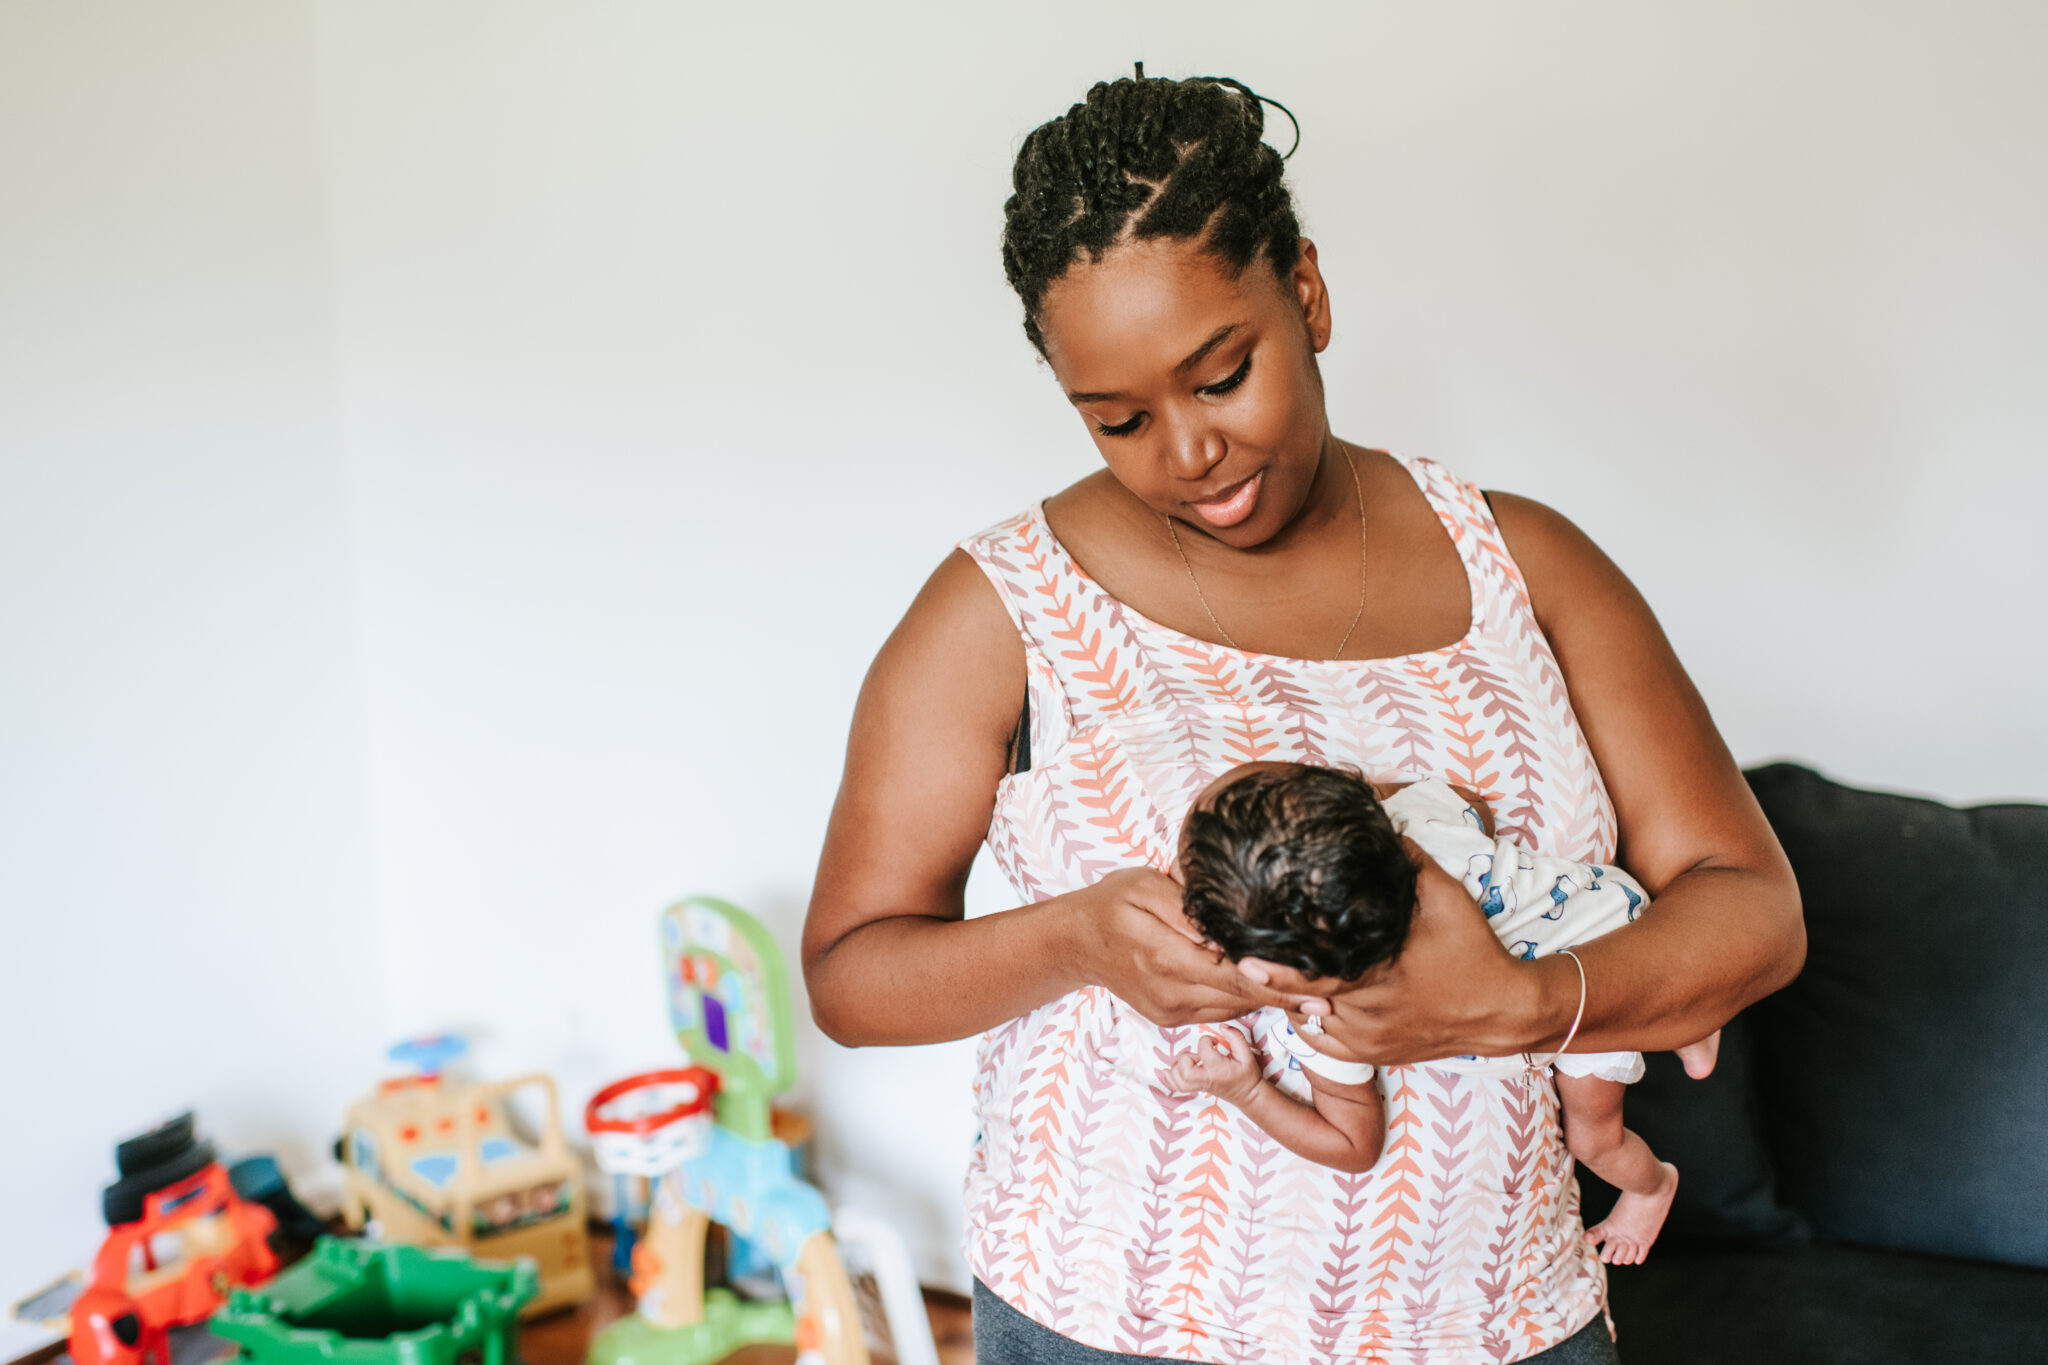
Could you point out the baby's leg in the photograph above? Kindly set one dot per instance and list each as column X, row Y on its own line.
column 1594, row 1132
column 1699, row 1058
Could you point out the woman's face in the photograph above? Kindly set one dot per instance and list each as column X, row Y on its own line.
column 1200, row 390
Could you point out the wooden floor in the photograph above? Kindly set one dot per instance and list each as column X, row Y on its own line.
column 563, row 1338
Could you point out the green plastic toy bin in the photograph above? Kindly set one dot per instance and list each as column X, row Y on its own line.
column 359, row 1303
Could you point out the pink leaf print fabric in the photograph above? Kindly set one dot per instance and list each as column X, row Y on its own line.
column 1133, row 1219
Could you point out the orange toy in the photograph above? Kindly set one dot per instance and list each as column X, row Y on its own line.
column 196, row 1240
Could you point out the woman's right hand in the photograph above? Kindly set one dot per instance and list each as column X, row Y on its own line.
column 1127, row 935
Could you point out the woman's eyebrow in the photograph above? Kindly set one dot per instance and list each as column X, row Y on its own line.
column 1194, row 358
column 1201, row 352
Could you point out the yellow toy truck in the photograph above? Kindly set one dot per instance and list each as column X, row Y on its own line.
column 437, row 1163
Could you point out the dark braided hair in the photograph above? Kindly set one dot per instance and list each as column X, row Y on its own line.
column 1146, row 158
column 1302, row 867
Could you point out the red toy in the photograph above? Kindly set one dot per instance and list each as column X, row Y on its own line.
column 196, row 1240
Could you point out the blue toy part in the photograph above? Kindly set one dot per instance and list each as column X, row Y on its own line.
column 429, row 1055
column 745, row 1260
column 749, row 1187
column 438, row 1168
column 623, row 1233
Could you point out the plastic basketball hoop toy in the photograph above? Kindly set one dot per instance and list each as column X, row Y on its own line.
column 649, row 1124
column 728, row 1000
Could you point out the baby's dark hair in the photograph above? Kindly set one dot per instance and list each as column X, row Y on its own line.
column 1146, row 158
column 1302, row 867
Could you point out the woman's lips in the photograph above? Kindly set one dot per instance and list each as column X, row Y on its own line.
column 1234, row 506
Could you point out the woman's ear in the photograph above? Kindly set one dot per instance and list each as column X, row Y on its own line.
column 1312, row 295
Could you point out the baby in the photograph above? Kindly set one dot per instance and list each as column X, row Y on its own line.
column 1319, row 870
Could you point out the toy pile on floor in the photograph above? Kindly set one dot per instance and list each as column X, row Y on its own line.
column 473, row 1222
column 436, row 1162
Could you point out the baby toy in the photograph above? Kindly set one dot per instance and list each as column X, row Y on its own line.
column 702, row 1136
column 181, row 1238
column 350, row 1303
column 435, row 1162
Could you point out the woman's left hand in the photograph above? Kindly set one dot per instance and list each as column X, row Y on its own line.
column 1453, row 991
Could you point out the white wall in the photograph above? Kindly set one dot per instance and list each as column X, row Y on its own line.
column 185, row 909
column 678, row 351
column 673, row 350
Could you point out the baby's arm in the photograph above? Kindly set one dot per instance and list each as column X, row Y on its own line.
column 1383, row 790
column 1344, row 1129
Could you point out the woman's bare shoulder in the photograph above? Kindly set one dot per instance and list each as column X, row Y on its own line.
column 956, row 630
column 1561, row 565
column 1088, row 510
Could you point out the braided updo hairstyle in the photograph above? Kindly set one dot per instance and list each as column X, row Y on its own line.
column 1146, row 158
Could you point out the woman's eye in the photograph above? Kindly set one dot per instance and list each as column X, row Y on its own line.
column 1121, row 428
column 1221, row 387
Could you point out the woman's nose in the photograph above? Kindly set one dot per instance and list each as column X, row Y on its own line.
column 1194, row 450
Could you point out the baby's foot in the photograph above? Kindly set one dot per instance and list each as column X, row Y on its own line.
column 1699, row 1057
column 1624, row 1237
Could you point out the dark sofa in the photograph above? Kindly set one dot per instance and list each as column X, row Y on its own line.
column 1865, row 1177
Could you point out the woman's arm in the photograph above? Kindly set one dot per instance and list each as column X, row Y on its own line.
column 1725, row 928
column 888, row 956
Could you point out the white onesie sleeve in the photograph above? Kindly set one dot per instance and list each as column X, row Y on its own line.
column 1273, row 1024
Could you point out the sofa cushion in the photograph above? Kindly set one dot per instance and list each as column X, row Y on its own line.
column 1904, row 1076
column 1826, row 1305
column 1713, row 1131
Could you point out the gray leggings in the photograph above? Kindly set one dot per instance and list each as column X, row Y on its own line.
column 1004, row 1336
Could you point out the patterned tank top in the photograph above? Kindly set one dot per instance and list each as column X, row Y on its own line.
column 1134, row 1219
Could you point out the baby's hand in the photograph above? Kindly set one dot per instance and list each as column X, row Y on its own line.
column 1222, row 1064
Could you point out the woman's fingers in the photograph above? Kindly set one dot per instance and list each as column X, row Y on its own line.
column 1454, row 990
column 1290, row 989
column 1147, row 954
column 1160, row 896
column 1143, row 950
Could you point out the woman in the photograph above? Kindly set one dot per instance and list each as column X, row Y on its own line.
column 1239, row 583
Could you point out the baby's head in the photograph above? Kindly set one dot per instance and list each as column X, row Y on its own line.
column 1297, row 865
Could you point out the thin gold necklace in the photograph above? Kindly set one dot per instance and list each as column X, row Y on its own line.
column 1356, row 616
